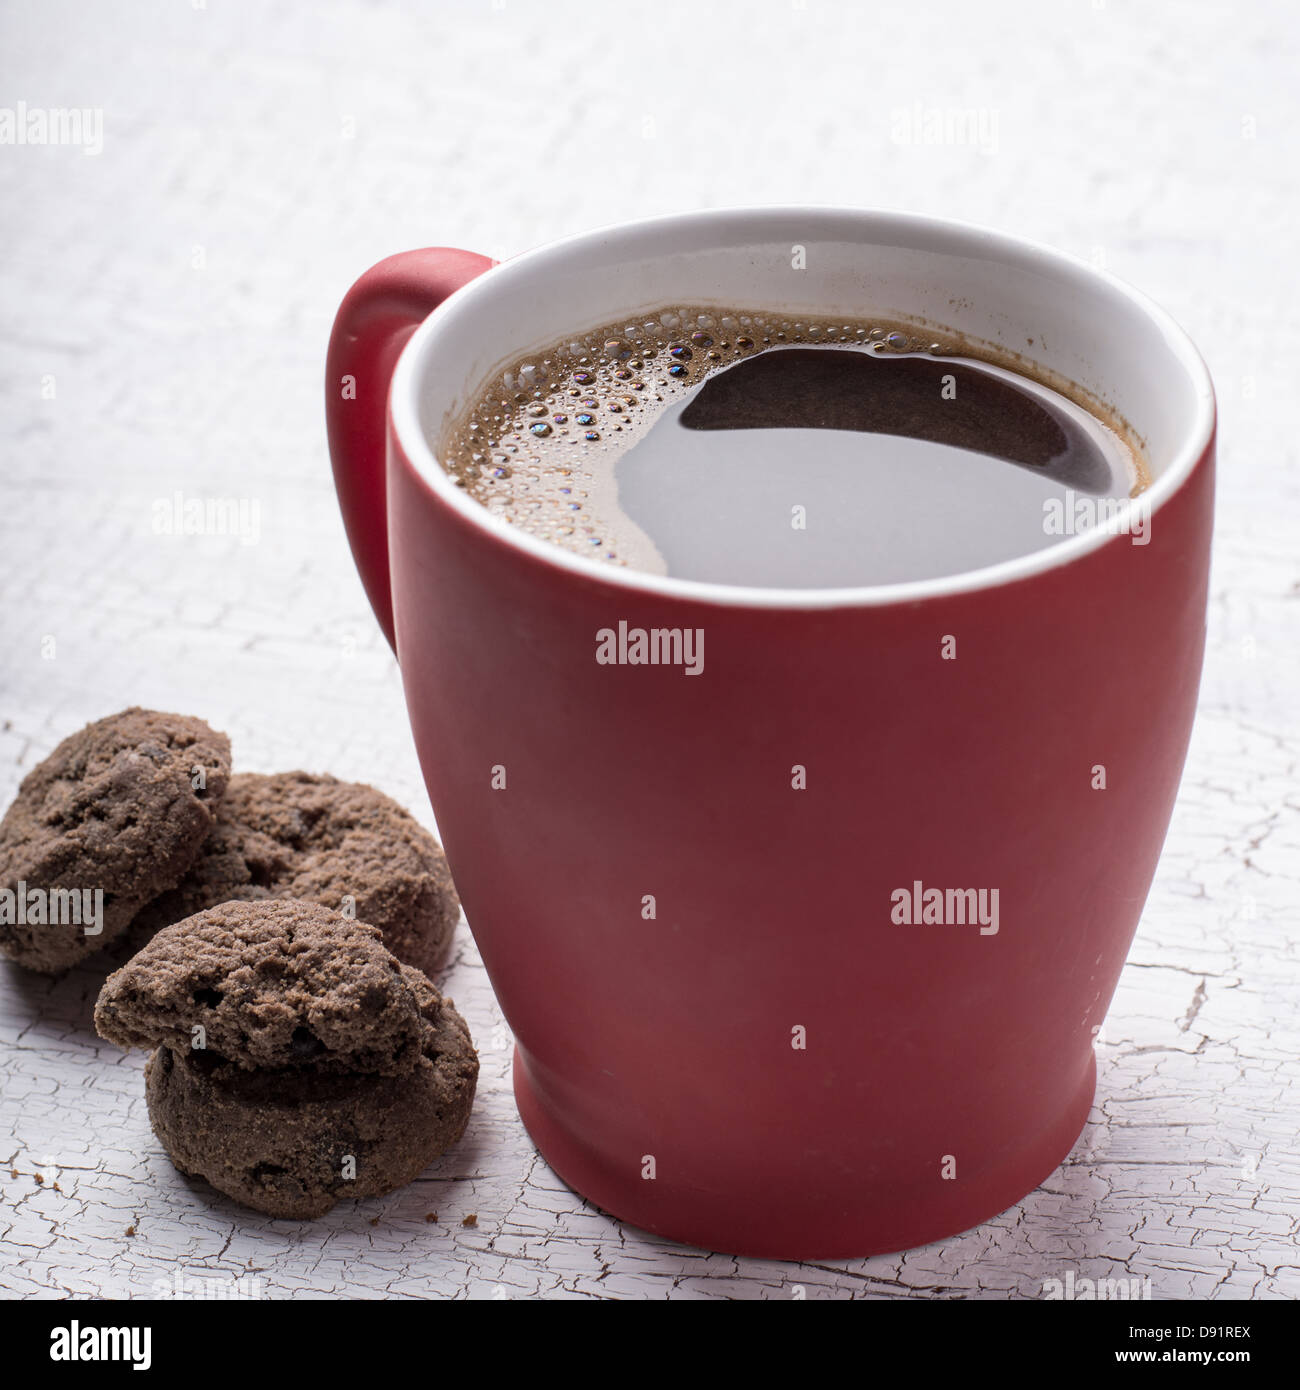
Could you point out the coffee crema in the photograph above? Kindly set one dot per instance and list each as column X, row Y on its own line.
column 762, row 449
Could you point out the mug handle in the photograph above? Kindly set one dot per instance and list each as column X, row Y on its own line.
column 378, row 314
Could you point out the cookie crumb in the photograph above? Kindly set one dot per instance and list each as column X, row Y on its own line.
column 374, row 1221
column 40, row 1179
column 431, row 1216
column 471, row 1219
column 130, row 1231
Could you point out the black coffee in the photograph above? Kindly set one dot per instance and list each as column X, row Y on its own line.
column 750, row 449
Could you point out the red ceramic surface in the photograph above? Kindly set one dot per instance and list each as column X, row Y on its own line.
column 946, row 1071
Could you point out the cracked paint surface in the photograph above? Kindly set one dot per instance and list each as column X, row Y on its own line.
column 177, row 290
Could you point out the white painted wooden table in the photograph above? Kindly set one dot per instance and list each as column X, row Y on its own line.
column 164, row 305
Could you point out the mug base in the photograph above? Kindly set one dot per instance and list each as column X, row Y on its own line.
column 865, row 1223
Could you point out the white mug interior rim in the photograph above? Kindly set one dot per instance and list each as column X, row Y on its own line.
column 963, row 239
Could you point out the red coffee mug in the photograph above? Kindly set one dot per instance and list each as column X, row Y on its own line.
column 804, row 953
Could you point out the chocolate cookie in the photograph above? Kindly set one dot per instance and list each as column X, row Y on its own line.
column 342, row 844
column 272, row 984
column 112, row 818
column 294, row 1143
column 328, row 1069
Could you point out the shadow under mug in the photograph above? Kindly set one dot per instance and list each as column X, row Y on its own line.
column 707, row 903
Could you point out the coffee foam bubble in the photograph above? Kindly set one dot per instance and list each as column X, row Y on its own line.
column 538, row 444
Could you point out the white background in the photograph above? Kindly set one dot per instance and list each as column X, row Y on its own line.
column 178, row 288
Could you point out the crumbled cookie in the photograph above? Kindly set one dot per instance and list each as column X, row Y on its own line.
column 298, row 835
column 293, row 1143
column 272, row 984
column 113, row 817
